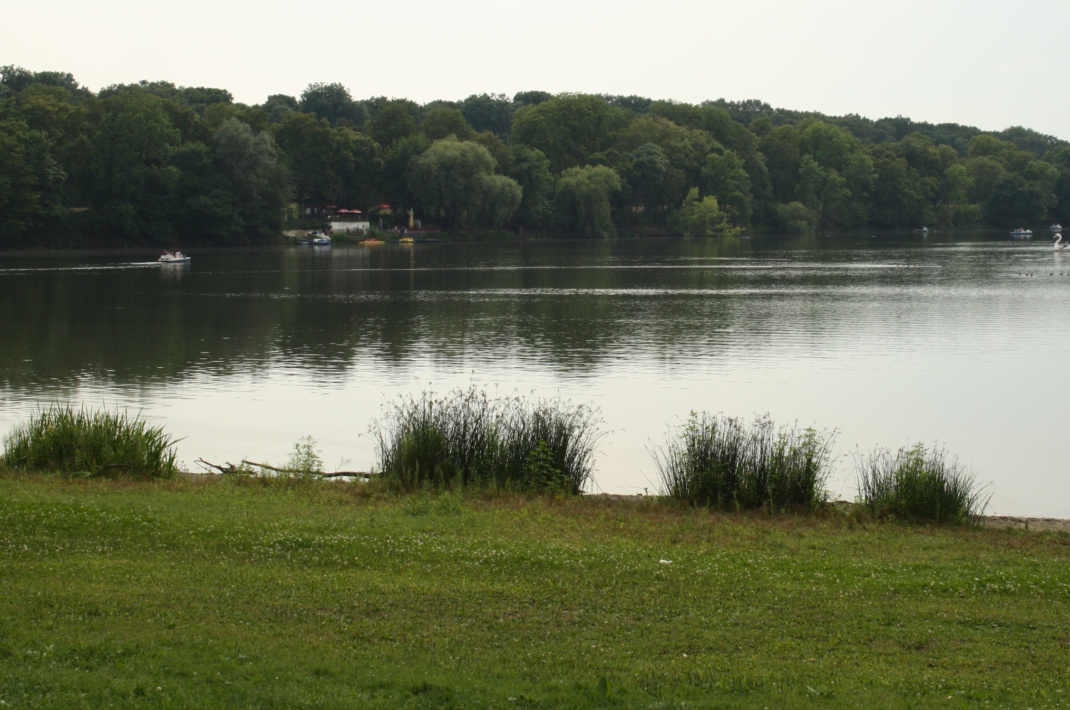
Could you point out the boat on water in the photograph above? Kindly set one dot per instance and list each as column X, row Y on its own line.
column 405, row 240
column 371, row 240
column 316, row 238
column 1022, row 233
column 1056, row 227
column 173, row 257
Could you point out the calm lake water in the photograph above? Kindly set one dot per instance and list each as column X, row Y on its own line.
column 892, row 339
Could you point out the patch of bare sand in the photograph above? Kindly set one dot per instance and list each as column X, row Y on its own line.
column 1042, row 524
column 989, row 521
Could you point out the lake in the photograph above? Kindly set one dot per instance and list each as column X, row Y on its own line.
column 958, row 341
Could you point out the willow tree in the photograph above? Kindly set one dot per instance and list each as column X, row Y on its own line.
column 700, row 217
column 582, row 202
column 455, row 180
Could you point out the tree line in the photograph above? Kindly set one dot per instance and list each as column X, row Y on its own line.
column 153, row 162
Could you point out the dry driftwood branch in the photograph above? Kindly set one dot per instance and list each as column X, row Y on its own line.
column 335, row 474
column 228, row 467
column 270, row 468
column 214, row 467
column 342, row 474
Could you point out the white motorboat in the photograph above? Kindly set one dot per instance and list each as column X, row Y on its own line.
column 1056, row 227
column 1022, row 233
column 173, row 257
column 316, row 238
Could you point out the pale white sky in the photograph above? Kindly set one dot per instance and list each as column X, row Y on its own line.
column 981, row 63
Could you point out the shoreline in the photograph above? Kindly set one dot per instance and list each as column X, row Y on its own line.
column 1018, row 522
column 1015, row 522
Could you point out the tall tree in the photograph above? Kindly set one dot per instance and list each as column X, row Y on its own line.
column 489, row 112
column 30, row 180
column 250, row 161
column 531, row 169
column 684, row 147
column 306, row 143
column 397, row 163
column 133, row 177
column 357, row 161
column 702, row 217
column 782, row 147
column 652, row 183
column 333, row 103
column 724, row 177
column 898, row 196
column 442, row 122
column 393, row 122
column 568, row 128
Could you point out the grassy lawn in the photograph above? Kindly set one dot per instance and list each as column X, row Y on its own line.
column 216, row 593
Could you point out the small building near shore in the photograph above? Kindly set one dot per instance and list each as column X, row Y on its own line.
column 349, row 227
column 349, row 222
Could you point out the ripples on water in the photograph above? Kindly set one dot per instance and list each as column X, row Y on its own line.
column 889, row 341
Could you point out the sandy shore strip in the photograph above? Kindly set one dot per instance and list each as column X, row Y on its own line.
column 1010, row 521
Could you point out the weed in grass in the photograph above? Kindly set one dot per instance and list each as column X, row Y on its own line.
column 467, row 438
column 90, row 444
column 721, row 461
column 305, row 459
column 920, row 484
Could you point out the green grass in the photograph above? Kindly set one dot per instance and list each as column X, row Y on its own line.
column 466, row 438
column 288, row 593
column 919, row 484
column 60, row 439
column 721, row 461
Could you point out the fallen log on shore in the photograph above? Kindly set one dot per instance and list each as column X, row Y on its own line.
column 229, row 468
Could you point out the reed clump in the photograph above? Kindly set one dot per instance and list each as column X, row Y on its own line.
column 99, row 443
column 916, row 483
column 467, row 438
column 723, row 462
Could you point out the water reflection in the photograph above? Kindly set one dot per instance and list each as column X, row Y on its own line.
column 243, row 352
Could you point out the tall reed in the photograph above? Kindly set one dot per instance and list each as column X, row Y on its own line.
column 722, row 461
column 99, row 443
column 467, row 438
column 920, row 484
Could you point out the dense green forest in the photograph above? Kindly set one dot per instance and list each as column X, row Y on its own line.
column 153, row 163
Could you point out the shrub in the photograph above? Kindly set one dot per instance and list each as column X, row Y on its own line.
column 63, row 440
column 467, row 438
column 304, row 458
column 720, row 461
column 916, row 483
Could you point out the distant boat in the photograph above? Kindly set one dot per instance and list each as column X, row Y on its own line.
column 371, row 240
column 315, row 238
column 1056, row 227
column 405, row 240
column 1022, row 233
column 173, row 257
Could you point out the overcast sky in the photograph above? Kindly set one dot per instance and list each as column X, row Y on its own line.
column 981, row 63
